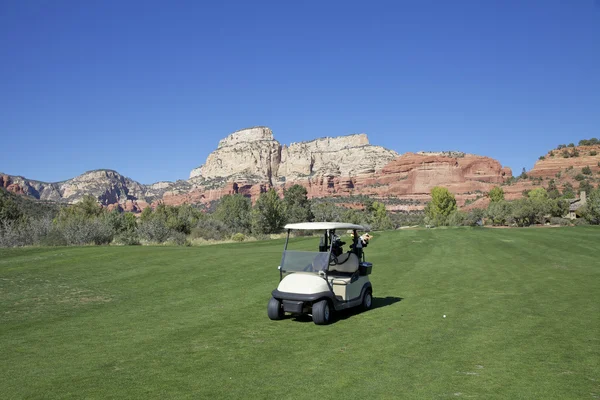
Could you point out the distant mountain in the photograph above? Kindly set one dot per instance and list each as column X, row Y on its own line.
column 251, row 161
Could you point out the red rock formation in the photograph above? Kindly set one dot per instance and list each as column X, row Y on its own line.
column 9, row 185
column 554, row 162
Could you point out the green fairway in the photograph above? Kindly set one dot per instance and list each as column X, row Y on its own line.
column 522, row 321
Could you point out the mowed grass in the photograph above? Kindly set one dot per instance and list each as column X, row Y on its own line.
column 522, row 321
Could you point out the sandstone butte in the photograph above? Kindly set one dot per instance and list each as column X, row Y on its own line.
column 251, row 161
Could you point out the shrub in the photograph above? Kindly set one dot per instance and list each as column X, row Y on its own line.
column 78, row 230
column 561, row 146
column 457, row 218
column 586, row 170
column 154, row 230
column 14, row 234
column 541, row 158
column 575, row 153
column 579, row 177
column 210, row 229
column 593, row 153
column 238, row 237
column 179, row 238
column 571, row 145
column 580, row 222
column 560, row 221
column 566, row 154
column 128, row 238
column 474, row 217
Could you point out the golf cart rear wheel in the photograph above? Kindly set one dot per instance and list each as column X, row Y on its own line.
column 275, row 310
column 367, row 302
column 321, row 312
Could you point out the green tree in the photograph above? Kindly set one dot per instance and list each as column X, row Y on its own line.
column 146, row 214
column 268, row 214
column 496, row 194
column 235, row 213
column 553, row 192
column 353, row 216
column 538, row 194
column 380, row 219
column 499, row 212
column 326, row 211
column 591, row 210
column 568, row 192
column 586, row 187
column 523, row 212
column 85, row 209
column 541, row 205
column 9, row 210
column 297, row 204
column 442, row 204
column 523, row 174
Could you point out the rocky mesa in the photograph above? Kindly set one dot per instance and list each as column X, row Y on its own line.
column 251, row 161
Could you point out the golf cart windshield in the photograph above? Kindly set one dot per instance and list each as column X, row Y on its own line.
column 306, row 261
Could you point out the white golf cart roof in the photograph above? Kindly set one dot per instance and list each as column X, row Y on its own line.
column 311, row 226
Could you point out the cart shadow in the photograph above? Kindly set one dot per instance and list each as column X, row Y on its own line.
column 378, row 302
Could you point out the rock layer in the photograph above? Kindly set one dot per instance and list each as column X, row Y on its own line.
column 251, row 161
column 554, row 162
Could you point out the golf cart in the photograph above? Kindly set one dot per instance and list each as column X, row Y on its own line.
column 319, row 282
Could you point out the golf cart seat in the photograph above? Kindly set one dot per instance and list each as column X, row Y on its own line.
column 346, row 263
column 344, row 270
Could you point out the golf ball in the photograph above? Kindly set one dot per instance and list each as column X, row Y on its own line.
column 444, row 315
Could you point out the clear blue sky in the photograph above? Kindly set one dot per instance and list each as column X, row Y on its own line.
column 149, row 87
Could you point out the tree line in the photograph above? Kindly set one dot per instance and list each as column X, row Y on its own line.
column 538, row 206
column 233, row 218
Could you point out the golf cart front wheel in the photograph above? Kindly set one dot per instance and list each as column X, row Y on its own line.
column 321, row 312
column 275, row 310
column 367, row 302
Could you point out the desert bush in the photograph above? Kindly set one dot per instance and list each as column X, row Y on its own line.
column 407, row 218
column 154, row 230
column 128, row 238
column 560, row 221
column 586, row 170
column 178, row 238
column 579, row 177
column 238, row 237
column 78, row 230
column 14, row 234
column 474, row 217
column 541, row 158
column 580, row 222
column 457, row 218
column 210, row 229
column 593, row 153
